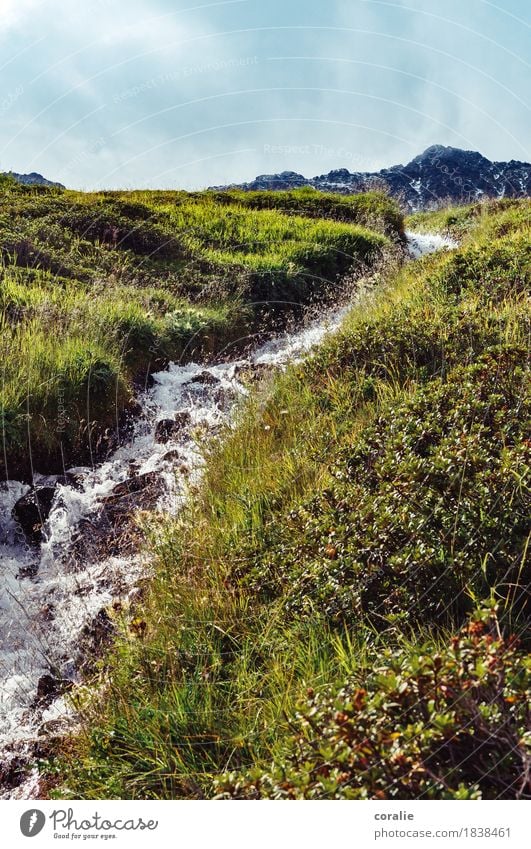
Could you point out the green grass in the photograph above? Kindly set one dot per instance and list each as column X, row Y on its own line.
column 302, row 636
column 487, row 218
column 97, row 289
column 374, row 210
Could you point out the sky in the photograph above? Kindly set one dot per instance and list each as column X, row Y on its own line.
column 188, row 94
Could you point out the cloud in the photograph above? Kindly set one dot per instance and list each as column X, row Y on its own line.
column 188, row 93
column 14, row 12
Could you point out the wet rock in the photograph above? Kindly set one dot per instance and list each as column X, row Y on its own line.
column 171, row 456
column 182, row 418
column 28, row 571
column 224, row 398
column 32, row 510
column 46, row 687
column 13, row 772
column 137, row 485
column 165, row 430
column 168, row 428
column 50, row 688
column 252, row 372
column 205, row 377
column 112, row 530
column 94, row 638
column 76, row 477
column 176, row 459
column 52, row 728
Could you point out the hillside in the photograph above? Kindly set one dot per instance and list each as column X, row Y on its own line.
column 340, row 611
column 99, row 290
column 439, row 175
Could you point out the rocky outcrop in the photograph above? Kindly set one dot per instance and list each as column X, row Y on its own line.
column 440, row 174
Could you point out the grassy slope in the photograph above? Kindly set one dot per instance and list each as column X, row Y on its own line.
column 372, row 209
column 97, row 288
column 301, row 637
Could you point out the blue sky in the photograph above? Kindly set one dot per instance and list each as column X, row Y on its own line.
column 123, row 93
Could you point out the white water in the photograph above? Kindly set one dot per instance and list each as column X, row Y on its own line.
column 421, row 244
column 42, row 617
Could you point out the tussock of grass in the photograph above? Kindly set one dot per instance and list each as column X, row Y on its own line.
column 374, row 210
column 480, row 220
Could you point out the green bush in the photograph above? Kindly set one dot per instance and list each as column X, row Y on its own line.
column 424, row 509
column 493, row 271
column 423, row 724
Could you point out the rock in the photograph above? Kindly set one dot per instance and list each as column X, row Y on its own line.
column 53, row 728
column 75, row 477
column 252, row 372
column 94, row 638
column 32, row 510
column 112, row 530
column 172, row 455
column 28, row 571
column 175, row 458
column 205, row 377
column 168, row 428
column 165, row 430
column 13, row 772
column 182, row 418
column 46, row 687
column 131, row 486
column 224, row 398
column 50, row 688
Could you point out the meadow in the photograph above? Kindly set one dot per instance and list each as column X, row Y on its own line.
column 98, row 290
column 340, row 612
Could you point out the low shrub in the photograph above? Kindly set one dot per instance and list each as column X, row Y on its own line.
column 423, row 724
column 423, row 511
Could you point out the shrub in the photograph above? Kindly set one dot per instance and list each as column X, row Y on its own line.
column 423, row 509
column 424, row 724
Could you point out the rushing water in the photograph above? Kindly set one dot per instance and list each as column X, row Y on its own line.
column 46, row 600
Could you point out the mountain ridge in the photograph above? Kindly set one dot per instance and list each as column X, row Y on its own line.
column 437, row 174
column 33, row 179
